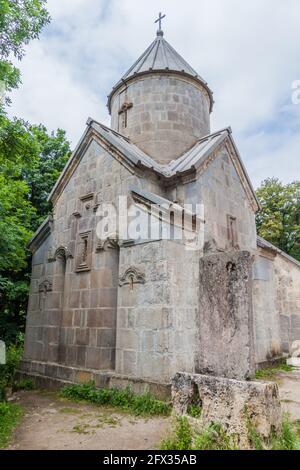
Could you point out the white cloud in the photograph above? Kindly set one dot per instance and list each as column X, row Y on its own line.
column 248, row 53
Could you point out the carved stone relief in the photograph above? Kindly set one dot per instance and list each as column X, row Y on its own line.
column 132, row 276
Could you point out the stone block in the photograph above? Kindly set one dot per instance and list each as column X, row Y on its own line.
column 85, row 299
column 129, row 363
column 93, row 358
column 295, row 321
column 74, row 299
column 229, row 402
column 101, row 318
column 106, row 338
column 83, row 376
column 128, row 339
column 225, row 323
column 81, row 356
column 82, row 336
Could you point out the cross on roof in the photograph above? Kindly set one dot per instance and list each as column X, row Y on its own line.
column 159, row 20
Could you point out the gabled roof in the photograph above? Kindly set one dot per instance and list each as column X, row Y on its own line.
column 262, row 243
column 41, row 234
column 160, row 56
column 192, row 162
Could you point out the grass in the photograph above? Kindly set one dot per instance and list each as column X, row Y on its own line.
column 126, row 400
column 7, row 371
column 10, row 414
column 287, row 439
column 272, row 372
column 194, row 411
column 214, row 437
column 186, row 438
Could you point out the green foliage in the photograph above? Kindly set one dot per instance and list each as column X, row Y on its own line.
column 211, row 438
column 287, row 439
column 20, row 22
column 215, row 438
column 7, row 371
column 125, row 399
column 194, row 411
column 182, row 438
column 279, row 220
column 273, row 371
column 30, row 162
column 23, row 384
column 52, row 154
column 10, row 415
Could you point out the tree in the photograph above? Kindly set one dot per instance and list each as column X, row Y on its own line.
column 20, row 150
column 30, row 163
column 279, row 220
column 52, row 153
column 20, row 22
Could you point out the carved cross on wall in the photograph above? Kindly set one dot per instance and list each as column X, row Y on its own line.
column 123, row 112
column 44, row 288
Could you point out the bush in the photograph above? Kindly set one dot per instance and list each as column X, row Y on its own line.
column 211, row 438
column 10, row 415
column 182, row 438
column 123, row 399
column 7, row 371
column 214, row 437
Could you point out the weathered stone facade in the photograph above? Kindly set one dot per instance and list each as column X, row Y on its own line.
column 122, row 310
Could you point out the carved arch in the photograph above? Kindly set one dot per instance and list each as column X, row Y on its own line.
column 132, row 276
column 61, row 252
column 105, row 245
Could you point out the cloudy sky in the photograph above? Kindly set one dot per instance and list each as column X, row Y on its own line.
column 248, row 52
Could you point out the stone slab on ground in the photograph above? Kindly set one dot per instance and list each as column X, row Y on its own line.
column 230, row 403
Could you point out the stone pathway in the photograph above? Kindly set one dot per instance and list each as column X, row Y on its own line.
column 289, row 387
column 51, row 423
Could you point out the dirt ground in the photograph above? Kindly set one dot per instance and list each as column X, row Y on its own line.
column 51, row 423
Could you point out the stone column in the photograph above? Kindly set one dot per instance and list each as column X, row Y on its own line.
column 225, row 323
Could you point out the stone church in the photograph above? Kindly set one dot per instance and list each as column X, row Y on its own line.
column 121, row 310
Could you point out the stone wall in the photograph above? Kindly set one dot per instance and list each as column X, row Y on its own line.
column 225, row 322
column 157, row 317
column 220, row 190
column 266, row 317
column 72, row 309
column 167, row 114
column 287, row 278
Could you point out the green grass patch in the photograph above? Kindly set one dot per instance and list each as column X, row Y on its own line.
column 210, row 438
column 23, row 384
column 10, row 415
column 7, row 371
column 126, row 400
column 214, row 437
column 194, row 411
column 272, row 372
column 287, row 439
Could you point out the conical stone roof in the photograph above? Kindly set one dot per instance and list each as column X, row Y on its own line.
column 160, row 56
